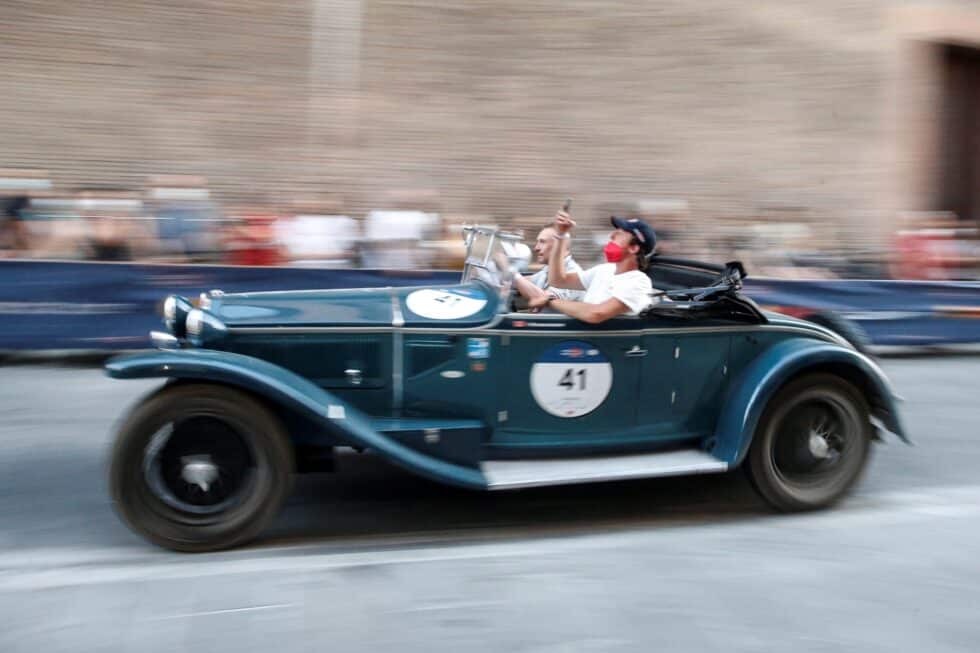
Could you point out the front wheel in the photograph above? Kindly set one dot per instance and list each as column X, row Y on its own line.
column 200, row 467
column 811, row 444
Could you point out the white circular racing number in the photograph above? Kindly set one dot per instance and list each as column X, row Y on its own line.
column 438, row 304
column 571, row 379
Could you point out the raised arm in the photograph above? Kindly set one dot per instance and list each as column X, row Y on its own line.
column 558, row 276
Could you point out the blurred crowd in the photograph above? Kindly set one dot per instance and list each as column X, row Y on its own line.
column 175, row 219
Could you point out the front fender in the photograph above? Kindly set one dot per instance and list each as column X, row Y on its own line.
column 751, row 391
column 288, row 389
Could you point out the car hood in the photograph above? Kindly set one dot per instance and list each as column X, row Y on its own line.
column 454, row 306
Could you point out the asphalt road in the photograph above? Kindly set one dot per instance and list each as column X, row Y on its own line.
column 371, row 559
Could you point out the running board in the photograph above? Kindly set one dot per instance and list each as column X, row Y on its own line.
column 510, row 474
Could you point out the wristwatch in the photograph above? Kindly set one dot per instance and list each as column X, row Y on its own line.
column 551, row 297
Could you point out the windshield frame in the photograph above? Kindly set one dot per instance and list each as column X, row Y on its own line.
column 499, row 244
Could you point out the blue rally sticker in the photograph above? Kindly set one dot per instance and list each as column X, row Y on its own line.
column 478, row 347
column 571, row 379
column 573, row 351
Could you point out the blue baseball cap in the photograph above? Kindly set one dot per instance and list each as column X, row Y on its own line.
column 640, row 230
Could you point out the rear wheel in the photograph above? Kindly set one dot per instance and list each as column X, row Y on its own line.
column 200, row 467
column 811, row 444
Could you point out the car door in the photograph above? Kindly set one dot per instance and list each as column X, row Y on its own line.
column 683, row 378
column 700, row 378
column 567, row 385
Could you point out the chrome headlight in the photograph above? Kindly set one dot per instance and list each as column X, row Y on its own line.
column 195, row 322
column 175, row 309
column 203, row 327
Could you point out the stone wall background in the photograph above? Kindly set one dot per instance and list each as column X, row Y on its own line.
column 499, row 108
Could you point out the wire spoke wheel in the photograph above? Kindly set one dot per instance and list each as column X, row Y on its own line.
column 811, row 444
column 200, row 467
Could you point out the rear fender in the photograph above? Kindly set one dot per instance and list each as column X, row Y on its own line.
column 750, row 393
column 285, row 388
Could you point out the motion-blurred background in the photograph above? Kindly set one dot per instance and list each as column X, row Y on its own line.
column 809, row 139
column 150, row 147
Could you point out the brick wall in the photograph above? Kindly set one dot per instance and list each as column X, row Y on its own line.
column 501, row 107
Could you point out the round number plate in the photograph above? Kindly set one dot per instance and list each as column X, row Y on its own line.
column 571, row 379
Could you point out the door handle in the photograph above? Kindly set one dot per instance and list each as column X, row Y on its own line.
column 636, row 352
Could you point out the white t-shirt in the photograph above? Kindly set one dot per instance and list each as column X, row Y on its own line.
column 601, row 282
column 540, row 279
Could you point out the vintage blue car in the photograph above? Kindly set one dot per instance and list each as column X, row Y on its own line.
column 452, row 383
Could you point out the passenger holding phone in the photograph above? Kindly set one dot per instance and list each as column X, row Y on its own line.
column 618, row 287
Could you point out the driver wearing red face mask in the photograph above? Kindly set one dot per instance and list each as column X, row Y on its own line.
column 619, row 287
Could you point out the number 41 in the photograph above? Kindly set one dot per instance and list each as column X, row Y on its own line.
column 568, row 379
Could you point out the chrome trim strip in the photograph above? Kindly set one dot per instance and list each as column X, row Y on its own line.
column 538, row 316
column 489, row 330
column 371, row 329
column 512, row 474
column 397, row 355
column 307, row 329
column 488, row 327
column 317, row 291
column 397, row 319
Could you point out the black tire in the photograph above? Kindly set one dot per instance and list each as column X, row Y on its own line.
column 791, row 470
column 849, row 330
column 200, row 467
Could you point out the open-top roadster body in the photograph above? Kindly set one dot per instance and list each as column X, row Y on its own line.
column 452, row 384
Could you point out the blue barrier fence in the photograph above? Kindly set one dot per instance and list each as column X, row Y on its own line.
column 76, row 305
column 892, row 313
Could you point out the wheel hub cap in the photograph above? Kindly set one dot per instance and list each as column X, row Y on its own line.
column 819, row 447
column 199, row 470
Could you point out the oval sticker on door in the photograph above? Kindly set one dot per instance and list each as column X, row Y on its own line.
column 571, row 379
